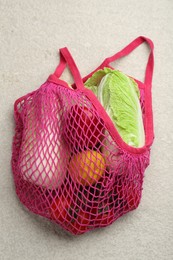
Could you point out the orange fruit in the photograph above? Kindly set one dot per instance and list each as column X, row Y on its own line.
column 87, row 167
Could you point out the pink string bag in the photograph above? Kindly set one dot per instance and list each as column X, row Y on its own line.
column 59, row 168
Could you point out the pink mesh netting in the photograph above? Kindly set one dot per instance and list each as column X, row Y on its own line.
column 68, row 162
column 66, row 165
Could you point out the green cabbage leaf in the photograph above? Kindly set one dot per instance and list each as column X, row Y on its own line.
column 119, row 95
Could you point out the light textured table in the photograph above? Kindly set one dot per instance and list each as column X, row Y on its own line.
column 31, row 32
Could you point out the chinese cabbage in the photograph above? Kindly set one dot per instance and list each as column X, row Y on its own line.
column 119, row 95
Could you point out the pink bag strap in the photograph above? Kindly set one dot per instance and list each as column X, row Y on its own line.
column 66, row 59
column 148, row 118
column 129, row 48
column 148, row 81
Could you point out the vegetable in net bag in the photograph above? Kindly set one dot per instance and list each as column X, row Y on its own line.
column 79, row 157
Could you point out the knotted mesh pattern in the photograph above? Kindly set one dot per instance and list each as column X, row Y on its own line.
column 66, row 165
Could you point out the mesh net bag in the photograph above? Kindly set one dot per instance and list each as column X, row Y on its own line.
column 69, row 163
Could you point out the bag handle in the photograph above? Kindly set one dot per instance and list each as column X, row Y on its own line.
column 148, row 119
column 67, row 59
column 128, row 49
